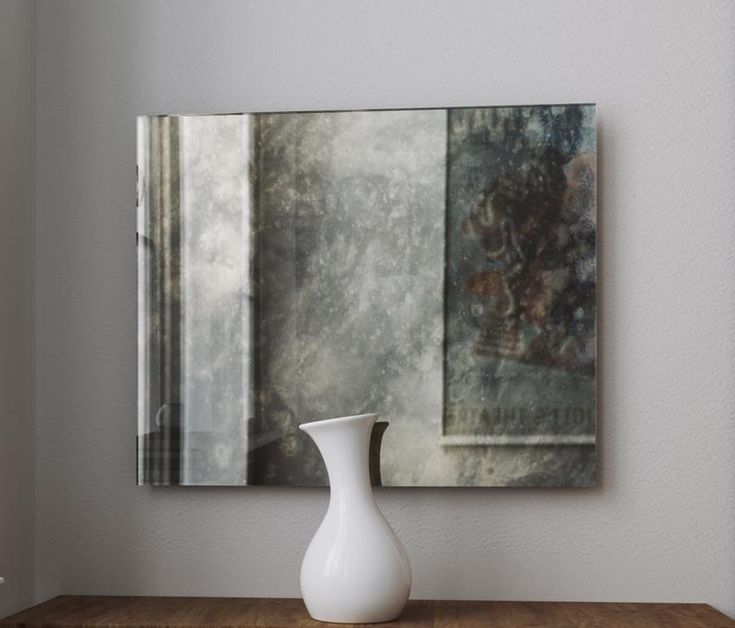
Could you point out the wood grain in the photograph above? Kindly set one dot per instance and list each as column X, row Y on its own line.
column 290, row 612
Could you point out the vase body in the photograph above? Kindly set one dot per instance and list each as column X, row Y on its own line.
column 355, row 569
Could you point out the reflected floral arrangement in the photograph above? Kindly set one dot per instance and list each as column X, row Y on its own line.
column 535, row 226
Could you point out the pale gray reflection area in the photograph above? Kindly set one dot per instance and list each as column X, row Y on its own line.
column 292, row 267
column 195, row 291
column 217, row 305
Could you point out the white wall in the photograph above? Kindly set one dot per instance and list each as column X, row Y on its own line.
column 661, row 525
column 16, row 305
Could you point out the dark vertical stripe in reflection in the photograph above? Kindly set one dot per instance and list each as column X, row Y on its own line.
column 256, row 425
column 162, row 442
column 257, row 455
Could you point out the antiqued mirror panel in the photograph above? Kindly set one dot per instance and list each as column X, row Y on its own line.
column 436, row 266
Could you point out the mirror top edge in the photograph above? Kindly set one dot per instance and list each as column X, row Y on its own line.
column 144, row 116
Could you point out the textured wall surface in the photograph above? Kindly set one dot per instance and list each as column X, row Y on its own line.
column 16, row 304
column 660, row 525
column 350, row 286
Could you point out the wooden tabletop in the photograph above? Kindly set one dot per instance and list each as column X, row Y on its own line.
column 69, row 610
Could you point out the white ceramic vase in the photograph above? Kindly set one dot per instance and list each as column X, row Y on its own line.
column 355, row 569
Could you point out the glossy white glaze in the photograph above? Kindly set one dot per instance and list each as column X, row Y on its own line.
column 355, row 569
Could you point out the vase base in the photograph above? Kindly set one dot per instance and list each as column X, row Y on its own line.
column 356, row 620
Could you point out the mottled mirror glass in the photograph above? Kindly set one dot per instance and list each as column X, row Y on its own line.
column 436, row 266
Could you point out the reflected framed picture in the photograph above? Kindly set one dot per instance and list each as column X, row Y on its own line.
column 436, row 266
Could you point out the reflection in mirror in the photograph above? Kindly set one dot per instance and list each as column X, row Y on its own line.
column 435, row 266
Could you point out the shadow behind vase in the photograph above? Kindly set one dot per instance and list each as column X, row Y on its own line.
column 376, row 442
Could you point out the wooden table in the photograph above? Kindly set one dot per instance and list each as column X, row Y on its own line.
column 290, row 612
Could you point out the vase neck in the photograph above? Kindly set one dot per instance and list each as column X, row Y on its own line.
column 344, row 445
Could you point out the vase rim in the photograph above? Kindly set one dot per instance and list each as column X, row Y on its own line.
column 354, row 418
